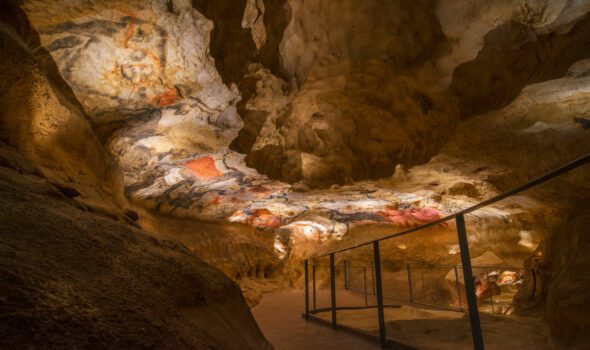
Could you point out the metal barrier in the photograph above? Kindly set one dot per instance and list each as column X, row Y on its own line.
column 468, row 277
column 363, row 283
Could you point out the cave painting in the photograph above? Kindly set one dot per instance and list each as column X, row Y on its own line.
column 136, row 78
column 204, row 168
column 261, row 218
column 208, row 185
column 227, row 190
column 411, row 217
column 166, row 98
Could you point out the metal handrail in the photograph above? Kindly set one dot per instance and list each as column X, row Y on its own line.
column 459, row 218
column 500, row 267
column 408, row 268
column 539, row 180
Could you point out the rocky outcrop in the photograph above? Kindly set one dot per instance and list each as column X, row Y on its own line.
column 259, row 132
column 353, row 90
column 566, row 263
column 345, row 119
column 121, row 60
column 43, row 119
column 77, row 272
column 351, row 122
column 515, row 55
column 76, row 279
column 234, row 34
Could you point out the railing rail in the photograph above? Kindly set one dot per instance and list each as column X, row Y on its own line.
column 459, row 218
column 357, row 282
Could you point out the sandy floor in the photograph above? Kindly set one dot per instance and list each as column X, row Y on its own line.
column 428, row 328
column 279, row 317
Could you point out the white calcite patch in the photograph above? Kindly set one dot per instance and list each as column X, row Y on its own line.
column 158, row 144
column 526, row 240
column 174, row 176
column 453, row 249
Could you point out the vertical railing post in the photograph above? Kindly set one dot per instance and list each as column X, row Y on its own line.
column 346, row 263
column 306, row 267
column 458, row 287
column 313, row 286
column 373, row 277
column 491, row 292
column 379, row 290
column 534, row 284
column 333, row 290
column 469, row 284
column 410, row 283
column 423, row 286
column 365, row 286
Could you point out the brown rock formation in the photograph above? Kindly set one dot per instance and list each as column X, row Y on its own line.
column 76, row 279
column 76, row 271
column 260, row 132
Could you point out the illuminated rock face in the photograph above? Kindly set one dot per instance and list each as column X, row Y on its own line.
column 132, row 57
column 353, row 121
column 82, row 273
column 143, row 73
column 358, row 95
column 307, row 125
column 365, row 101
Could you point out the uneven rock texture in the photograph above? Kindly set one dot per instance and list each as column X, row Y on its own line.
column 567, row 260
column 235, row 37
column 353, row 121
column 353, row 92
column 466, row 24
column 132, row 57
column 76, row 279
column 76, row 270
column 348, row 121
column 261, row 132
column 397, row 33
column 45, row 123
column 514, row 55
column 173, row 148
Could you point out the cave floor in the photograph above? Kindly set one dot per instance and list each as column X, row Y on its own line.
column 279, row 317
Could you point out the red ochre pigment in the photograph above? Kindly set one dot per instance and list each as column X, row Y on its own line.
column 167, row 98
column 264, row 218
column 204, row 168
column 411, row 217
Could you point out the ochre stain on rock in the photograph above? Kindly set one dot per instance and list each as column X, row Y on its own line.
column 410, row 217
column 130, row 30
column 166, row 99
column 263, row 218
column 261, row 191
column 204, row 168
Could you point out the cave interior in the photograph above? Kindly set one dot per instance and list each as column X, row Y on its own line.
column 167, row 167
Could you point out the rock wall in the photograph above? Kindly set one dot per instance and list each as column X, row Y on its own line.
column 566, row 264
column 259, row 132
column 133, row 57
column 77, row 271
column 77, row 279
column 40, row 116
column 398, row 33
column 353, row 89
column 345, row 73
column 515, row 55
column 351, row 122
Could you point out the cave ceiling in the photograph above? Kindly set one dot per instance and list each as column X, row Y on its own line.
column 312, row 116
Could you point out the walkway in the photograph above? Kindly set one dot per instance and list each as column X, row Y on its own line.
column 279, row 317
